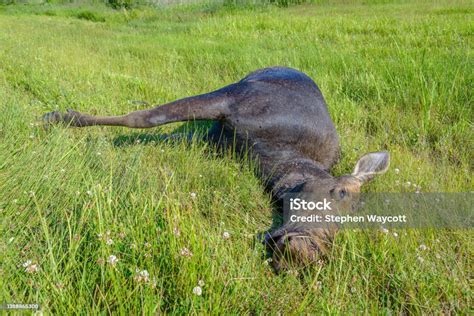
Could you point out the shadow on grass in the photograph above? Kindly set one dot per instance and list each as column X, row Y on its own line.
column 184, row 132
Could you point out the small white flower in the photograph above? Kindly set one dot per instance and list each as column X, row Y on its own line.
column 11, row 239
column 99, row 235
column 226, row 235
column 109, row 241
column 408, row 183
column 201, row 283
column 197, row 291
column 384, row 230
column 32, row 268
column 353, row 290
column 63, row 170
column 420, row 259
column 162, row 150
column 185, row 252
column 99, row 153
column 78, row 193
column 89, row 193
column 147, row 245
column 112, row 260
column 31, row 193
column 15, row 201
column 395, row 234
column 200, row 176
column 176, row 231
column 27, row 263
column 422, row 247
column 318, row 285
column 142, row 275
column 193, row 195
column 397, row 171
column 293, row 272
column 122, row 235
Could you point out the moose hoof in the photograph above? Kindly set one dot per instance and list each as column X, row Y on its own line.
column 71, row 118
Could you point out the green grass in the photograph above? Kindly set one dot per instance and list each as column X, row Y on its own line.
column 395, row 76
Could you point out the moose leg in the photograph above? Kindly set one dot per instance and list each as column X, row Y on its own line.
column 210, row 106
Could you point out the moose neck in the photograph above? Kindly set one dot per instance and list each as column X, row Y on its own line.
column 289, row 176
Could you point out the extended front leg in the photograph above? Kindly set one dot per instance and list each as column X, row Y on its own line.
column 209, row 106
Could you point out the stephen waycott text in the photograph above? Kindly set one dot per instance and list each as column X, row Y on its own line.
column 341, row 219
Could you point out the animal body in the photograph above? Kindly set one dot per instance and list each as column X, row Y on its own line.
column 280, row 116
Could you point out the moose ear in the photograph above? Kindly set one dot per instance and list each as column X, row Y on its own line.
column 370, row 165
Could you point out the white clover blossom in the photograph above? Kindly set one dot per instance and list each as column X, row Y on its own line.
column 193, row 195
column 185, row 252
column 30, row 267
column 109, row 241
column 422, row 247
column 201, row 283
column 26, row 263
column 197, row 291
column 397, row 171
column 112, row 260
column 226, row 235
column 142, row 275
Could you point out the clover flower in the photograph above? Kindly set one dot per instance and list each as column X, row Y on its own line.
column 185, row 252
column 197, row 291
column 112, row 260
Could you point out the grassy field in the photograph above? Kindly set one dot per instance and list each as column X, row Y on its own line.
column 115, row 221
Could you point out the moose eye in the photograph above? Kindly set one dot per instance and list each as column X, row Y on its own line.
column 342, row 193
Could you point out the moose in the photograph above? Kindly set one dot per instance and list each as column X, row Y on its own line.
column 279, row 115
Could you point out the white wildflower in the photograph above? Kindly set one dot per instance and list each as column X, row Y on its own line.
column 176, row 231
column 384, row 230
column 112, row 260
column 27, row 263
column 109, row 241
column 193, row 195
column 226, row 235
column 89, row 193
column 142, row 275
column 32, row 268
column 395, row 234
column 185, row 252
column 197, row 291
column 422, row 247
column 420, row 259
column 397, row 171
column 201, row 283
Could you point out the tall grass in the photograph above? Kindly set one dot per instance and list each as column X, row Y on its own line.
column 395, row 76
